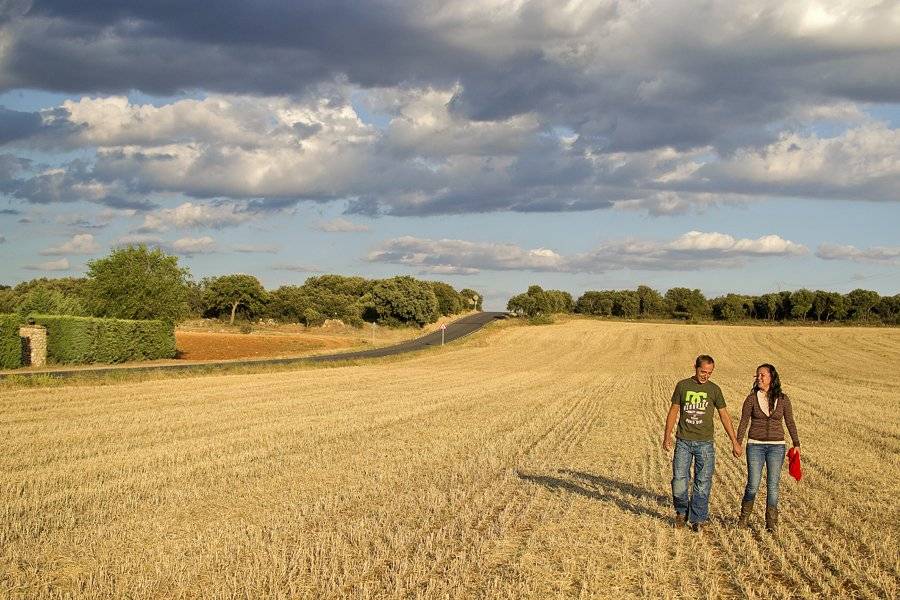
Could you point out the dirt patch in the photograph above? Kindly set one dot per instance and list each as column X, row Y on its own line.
column 194, row 345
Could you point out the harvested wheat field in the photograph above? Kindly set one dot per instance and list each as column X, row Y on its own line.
column 521, row 463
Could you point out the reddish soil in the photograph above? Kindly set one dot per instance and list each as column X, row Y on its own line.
column 194, row 345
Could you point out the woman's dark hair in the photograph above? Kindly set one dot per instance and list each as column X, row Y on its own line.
column 774, row 392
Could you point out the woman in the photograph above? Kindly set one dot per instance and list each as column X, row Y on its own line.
column 763, row 410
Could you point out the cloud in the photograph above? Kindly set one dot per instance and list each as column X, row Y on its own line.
column 183, row 246
column 691, row 251
column 15, row 125
column 136, row 239
column 340, row 226
column 191, row 246
column 53, row 265
column 82, row 243
column 2, row 239
column 296, row 268
column 875, row 254
column 193, row 215
column 666, row 107
column 861, row 163
column 699, row 242
column 254, row 248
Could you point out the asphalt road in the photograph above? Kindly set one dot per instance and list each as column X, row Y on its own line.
column 455, row 330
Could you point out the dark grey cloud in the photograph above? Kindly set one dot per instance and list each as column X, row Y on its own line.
column 16, row 125
column 666, row 74
column 638, row 93
column 75, row 181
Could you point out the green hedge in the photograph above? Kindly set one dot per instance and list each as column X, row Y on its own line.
column 90, row 340
column 10, row 342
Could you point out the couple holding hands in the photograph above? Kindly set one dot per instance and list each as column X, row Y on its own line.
column 764, row 410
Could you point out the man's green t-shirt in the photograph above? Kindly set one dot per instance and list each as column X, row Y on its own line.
column 697, row 401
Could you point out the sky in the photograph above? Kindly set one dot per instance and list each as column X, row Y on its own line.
column 732, row 147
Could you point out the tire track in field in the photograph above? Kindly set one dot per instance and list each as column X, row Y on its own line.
column 504, row 508
column 481, row 497
column 511, row 509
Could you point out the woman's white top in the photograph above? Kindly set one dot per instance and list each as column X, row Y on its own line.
column 763, row 402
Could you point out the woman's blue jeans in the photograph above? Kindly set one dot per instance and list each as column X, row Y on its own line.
column 772, row 456
column 703, row 455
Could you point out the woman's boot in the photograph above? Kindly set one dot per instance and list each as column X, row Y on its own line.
column 772, row 519
column 746, row 509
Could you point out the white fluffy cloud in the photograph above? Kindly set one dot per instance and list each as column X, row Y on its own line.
column 196, row 215
column 190, row 246
column 688, row 252
column 51, row 265
column 185, row 246
column 714, row 242
column 875, row 254
column 862, row 162
column 82, row 243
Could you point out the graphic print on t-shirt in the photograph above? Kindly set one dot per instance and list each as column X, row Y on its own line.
column 694, row 407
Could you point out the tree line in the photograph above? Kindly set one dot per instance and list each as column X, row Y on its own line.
column 690, row 304
column 137, row 282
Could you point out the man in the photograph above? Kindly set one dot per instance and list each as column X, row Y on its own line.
column 692, row 406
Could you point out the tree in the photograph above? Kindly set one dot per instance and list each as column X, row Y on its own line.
column 687, row 303
column 766, row 306
column 135, row 282
column 48, row 301
column 829, row 305
column 291, row 304
column 888, row 309
column 523, row 305
column 861, row 302
column 625, row 304
column 595, row 303
column 802, row 303
column 471, row 299
column 449, row 302
column 404, row 299
column 228, row 292
column 730, row 307
column 650, row 302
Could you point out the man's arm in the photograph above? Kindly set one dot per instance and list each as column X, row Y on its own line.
column 736, row 448
column 671, row 419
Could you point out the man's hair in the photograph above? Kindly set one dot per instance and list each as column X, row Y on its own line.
column 704, row 359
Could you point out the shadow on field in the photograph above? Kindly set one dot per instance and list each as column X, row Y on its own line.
column 626, row 496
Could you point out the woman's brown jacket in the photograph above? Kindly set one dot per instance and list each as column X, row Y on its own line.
column 767, row 428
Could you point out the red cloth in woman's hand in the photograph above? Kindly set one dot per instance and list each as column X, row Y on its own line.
column 794, row 463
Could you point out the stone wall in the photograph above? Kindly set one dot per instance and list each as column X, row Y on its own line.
column 34, row 345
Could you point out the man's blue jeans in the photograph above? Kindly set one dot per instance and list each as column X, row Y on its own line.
column 771, row 455
column 703, row 455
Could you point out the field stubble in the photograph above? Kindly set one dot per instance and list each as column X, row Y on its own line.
column 522, row 463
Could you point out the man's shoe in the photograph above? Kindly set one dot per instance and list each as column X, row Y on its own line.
column 698, row 527
column 680, row 521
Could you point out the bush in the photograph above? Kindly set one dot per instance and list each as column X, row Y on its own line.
column 10, row 342
column 540, row 320
column 89, row 340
